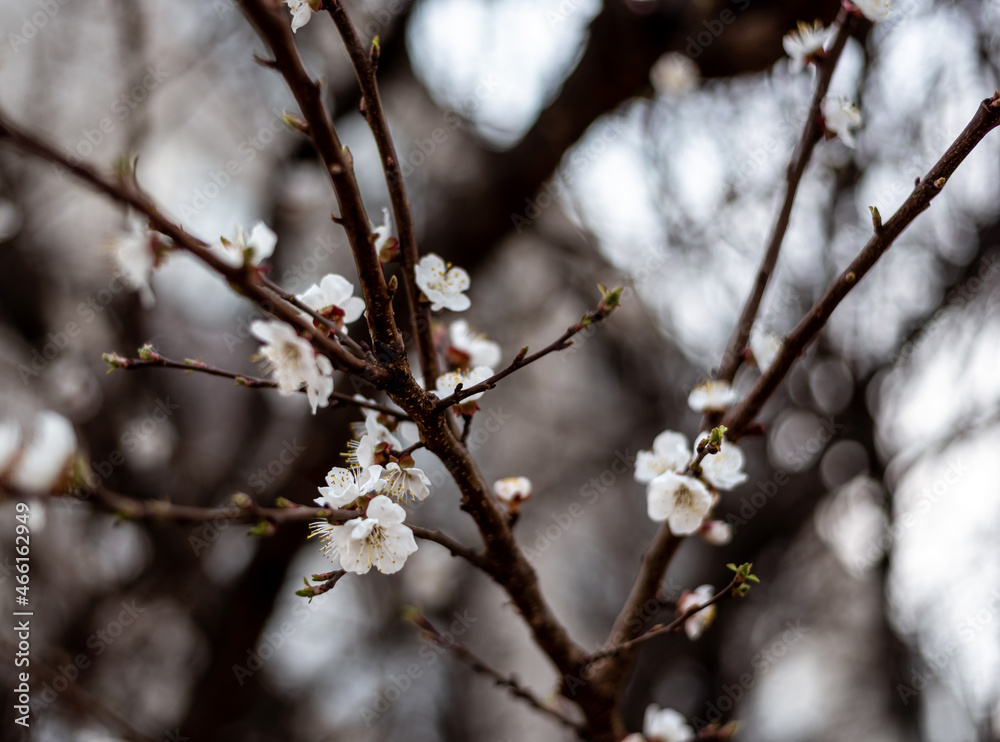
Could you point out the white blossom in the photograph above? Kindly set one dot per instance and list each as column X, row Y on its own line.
column 301, row 13
column 135, row 253
column 765, row 346
column 319, row 385
column 447, row 383
column 683, row 501
column 46, row 455
column 247, row 248
column 712, row 396
column 379, row 538
column 334, row 299
column 344, row 486
column 841, row 117
column 723, row 470
column 666, row 725
column 696, row 625
column 716, row 532
column 509, row 489
column 402, row 482
column 293, row 362
column 378, row 432
column 362, row 452
column 874, row 10
column 442, row 286
column 670, row 453
column 674, row 74
column 473, row 349
column 805, row 42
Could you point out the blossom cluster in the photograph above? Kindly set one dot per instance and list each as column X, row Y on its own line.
column 807, row 45
column 379, row 477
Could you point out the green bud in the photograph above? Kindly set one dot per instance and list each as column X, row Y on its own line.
column 242, row 500
column 294, row 122
column 610, row 298
column 263, row 528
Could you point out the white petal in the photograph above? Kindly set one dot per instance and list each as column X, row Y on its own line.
column 261, row 242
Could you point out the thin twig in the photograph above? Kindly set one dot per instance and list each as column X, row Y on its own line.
column 345, row 339
column 666, row 629
column 410, row 449
column 243, row 510
column 480, row 666
column 522, row 360
column 812, row 131
column 276, row 32
column 986, row 119
column 155, row 360
column 247, row 281
column 374, row 113
column 328, row 580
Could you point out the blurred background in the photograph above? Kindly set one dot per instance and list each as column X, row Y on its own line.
column 539, row 156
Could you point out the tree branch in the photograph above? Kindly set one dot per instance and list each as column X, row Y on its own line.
column 522, row 359
column 504, row 681
column 276, row 32
column 155, row 360
column 625, row 646
column 242, row 279
column 986, row 119
column 244, row 510
column 374, row 113
column 812, row 131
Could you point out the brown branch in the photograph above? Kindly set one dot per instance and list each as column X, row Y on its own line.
column 655, row 561
column 812, row 131
column 328, row 580
column 987, row 118
column 522, row 359
column 345, row 339
column 625, row 646
column 243, row 510
column 244, row 280
column 478, row 665
column 155, row 360
column 374, row 113
column 275, row 30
